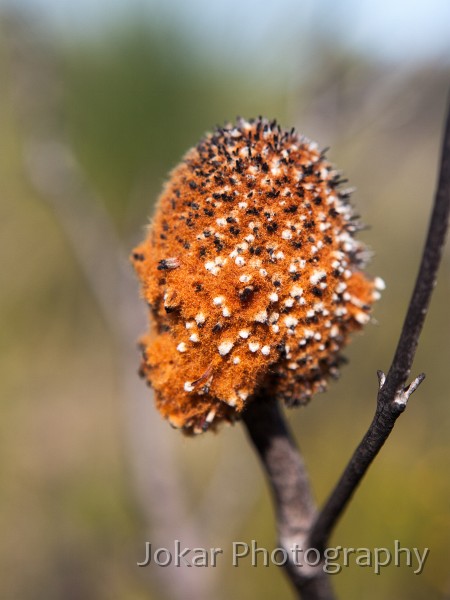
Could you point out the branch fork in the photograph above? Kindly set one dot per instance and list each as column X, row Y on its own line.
column 298, row 521
column 402, row 396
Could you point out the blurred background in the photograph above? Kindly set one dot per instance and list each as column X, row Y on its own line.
column 99, row 99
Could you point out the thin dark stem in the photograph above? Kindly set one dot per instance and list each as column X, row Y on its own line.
column 297, row 520
column 392, row 395
column 291, row 490
column 426, row 278
column 382, row 424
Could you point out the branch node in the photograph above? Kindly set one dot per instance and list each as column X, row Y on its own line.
column 402, row 396
column 381, row 378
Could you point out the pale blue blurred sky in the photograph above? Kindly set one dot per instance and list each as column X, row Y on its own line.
column 395, row 30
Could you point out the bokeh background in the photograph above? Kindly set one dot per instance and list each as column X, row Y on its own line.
column 98, row 101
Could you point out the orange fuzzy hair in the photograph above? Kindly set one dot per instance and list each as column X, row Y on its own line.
column 252, row 275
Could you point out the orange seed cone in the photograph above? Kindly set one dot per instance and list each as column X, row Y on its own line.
column 252, row 275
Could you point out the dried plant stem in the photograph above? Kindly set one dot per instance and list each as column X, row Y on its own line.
column 297, row 521
column 392, row 394
column 288, row 479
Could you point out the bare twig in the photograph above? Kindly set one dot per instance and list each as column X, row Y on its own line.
column 393, row 395
column 291, row 490
column 297, row 521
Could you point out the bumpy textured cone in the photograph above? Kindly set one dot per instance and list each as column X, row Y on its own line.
column 252, row 275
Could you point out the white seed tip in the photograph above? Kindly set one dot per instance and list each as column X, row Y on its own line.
column 210, row 416
column 290, row 321
column 296, row 291
column 261, row 317
column 362, row 318
column 224, row 348
column 379, row 284
column 244, row 278
column 317, row 276
column 231, row 401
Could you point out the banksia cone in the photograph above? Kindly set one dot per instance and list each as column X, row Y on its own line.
column 252, row 276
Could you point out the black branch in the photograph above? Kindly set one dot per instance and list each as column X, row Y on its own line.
column 298, row 522
column 393, row 395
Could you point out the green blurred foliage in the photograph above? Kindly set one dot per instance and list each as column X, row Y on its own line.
column 135, row 99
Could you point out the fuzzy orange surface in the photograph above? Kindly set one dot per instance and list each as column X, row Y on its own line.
column 252, row 275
